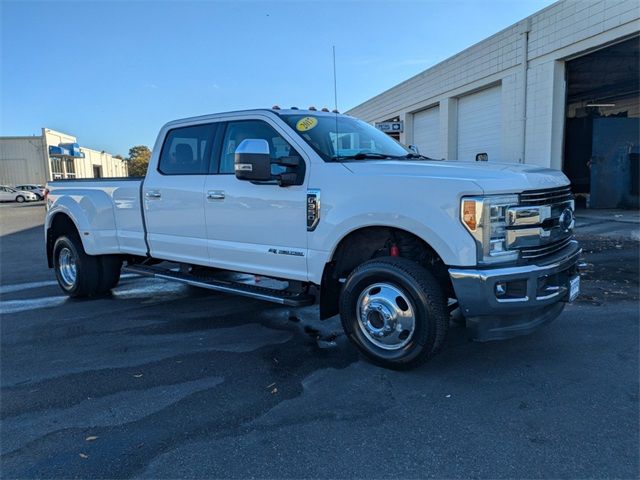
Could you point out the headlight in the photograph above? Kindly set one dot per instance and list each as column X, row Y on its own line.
column 485, row 218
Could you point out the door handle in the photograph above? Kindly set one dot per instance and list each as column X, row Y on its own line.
column 153, row 194
column 215, row 195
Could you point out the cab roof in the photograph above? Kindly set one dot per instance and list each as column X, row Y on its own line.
column 281, row 111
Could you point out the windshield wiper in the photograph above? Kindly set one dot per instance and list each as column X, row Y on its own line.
column 362, row 156
column 419, row 156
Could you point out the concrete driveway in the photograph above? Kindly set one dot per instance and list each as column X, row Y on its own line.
column 160, row 380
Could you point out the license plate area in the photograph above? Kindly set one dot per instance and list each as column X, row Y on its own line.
column 574, row 287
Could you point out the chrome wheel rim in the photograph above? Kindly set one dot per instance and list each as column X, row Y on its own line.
column 386, row 316
column 67, row 267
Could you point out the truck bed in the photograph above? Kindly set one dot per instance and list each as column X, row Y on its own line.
column 112, row 206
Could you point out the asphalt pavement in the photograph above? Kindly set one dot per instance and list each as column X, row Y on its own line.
column 160, row 380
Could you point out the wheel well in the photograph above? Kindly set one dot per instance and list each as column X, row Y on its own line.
column 60, row 225
column 371, row 242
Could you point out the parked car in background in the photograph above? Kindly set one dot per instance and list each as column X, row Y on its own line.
column 33, row 188
column 9, row 194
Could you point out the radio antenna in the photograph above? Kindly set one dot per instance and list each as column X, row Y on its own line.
column 335, row 83
column 335, row 100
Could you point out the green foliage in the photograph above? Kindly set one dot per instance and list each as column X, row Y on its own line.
column 139, row 157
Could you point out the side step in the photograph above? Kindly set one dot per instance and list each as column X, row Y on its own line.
column 282, row 297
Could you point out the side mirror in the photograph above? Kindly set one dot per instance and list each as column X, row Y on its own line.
column 482, row 157
column 414, row 149
column 252, row 160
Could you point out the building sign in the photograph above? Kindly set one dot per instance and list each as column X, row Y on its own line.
column 66, row 150
column 390, row 127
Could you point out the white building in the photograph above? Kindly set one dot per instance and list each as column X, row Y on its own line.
column 53, row 155
column 559, row 88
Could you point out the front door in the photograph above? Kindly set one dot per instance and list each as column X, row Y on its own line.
column 256, row 228
column 173, row 195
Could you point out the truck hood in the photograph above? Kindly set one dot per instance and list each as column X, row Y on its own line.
column 491, row 177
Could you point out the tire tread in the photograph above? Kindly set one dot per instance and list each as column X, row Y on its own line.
column 435, row 304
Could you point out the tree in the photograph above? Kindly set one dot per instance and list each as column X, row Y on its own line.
column 139, row 157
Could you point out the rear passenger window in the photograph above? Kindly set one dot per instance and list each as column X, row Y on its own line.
column 187, row 150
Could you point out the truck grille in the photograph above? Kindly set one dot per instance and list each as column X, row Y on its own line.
column 542, row 251
column 547, row 196
column 536, row 228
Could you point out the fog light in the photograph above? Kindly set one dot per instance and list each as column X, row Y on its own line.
column 501, row 289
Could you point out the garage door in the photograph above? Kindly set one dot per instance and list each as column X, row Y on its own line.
column 426, row 132
column 480, row 124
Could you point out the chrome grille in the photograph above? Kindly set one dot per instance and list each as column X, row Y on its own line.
column 547, row 196
column 541, row 251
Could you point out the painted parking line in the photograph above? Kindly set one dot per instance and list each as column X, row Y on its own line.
column 15, row 306
column 4, row 289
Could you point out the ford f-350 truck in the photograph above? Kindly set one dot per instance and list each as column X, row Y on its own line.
column 327, row 209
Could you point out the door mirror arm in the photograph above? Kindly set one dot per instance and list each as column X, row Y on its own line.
column 287, row 179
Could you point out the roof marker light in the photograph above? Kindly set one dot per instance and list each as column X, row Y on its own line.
column 325, row 109
column 275, row 107
column 313, row 109
column 294, row 108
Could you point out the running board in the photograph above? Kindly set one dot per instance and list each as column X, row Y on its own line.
column 282, row 297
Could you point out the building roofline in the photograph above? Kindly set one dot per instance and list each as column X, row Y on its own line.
column 51, row 130
column 20, row 137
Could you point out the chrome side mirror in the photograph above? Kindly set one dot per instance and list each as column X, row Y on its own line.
column 252, row 160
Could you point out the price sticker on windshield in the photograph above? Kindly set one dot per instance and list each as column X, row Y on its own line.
column 306, row 123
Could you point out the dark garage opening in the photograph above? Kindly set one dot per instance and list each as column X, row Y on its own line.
column 602, row 133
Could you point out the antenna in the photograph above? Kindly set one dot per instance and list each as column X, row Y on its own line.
column 335, row 83
column 335, row 100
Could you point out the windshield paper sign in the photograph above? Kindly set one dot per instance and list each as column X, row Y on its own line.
column 306, row 123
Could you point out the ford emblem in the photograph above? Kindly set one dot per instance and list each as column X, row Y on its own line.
column 566, row 219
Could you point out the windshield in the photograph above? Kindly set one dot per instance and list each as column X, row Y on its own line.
column 343, row 138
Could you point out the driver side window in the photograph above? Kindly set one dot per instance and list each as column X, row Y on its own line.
column 242, row 130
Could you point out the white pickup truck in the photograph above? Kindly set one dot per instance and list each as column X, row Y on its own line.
column 322, row 207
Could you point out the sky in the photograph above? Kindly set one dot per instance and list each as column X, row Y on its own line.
column 112, row 73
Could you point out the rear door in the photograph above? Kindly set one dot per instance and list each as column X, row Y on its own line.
column 173, row 195
column 6, row 194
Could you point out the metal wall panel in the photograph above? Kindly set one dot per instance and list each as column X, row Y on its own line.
column 22, row 160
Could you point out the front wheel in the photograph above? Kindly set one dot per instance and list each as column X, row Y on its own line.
column 20, row 199
column 394, row 311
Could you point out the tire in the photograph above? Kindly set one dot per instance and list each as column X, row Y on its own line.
column 20, row 199
column 110, row 268
column 78, row 274
column 377, row 301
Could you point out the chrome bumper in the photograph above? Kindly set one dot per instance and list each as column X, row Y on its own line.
column 541, row 292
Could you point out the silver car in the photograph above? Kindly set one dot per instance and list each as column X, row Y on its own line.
column 9, row 194
column 33, row 188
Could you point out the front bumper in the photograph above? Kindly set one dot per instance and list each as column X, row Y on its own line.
column 504, row 302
